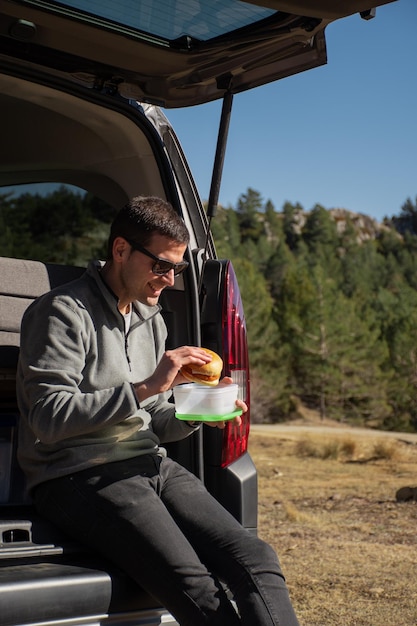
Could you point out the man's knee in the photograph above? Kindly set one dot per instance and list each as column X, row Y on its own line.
column 266, row 559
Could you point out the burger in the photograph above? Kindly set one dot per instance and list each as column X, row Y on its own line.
column 208, row 374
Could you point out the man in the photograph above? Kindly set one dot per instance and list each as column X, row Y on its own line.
column 94, row 380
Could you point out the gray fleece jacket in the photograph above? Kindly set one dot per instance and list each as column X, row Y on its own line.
column 74, row 382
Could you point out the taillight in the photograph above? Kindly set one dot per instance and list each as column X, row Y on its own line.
column 236, row 365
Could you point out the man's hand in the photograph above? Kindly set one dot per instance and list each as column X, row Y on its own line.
column 167, row 373
column 239, row 404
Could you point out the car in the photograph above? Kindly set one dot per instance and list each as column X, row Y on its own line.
column 83, row 86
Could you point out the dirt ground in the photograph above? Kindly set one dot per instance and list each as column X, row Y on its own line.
column 327, row 503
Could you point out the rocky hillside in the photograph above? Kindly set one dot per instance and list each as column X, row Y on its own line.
column 367, row 227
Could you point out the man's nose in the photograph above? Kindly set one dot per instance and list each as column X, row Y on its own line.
column 170, row 278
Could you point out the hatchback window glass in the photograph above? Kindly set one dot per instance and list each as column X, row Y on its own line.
column 53, row 223
column 168, row 19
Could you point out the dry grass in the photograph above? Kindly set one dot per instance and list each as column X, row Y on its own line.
column 327, row 504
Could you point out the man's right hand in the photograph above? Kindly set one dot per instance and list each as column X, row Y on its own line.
column 167, row 373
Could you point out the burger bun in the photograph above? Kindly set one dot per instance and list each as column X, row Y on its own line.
column 207, row 374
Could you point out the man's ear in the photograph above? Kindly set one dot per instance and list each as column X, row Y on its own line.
column 120, row 249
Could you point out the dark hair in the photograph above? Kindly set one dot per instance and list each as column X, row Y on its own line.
column 144, row 216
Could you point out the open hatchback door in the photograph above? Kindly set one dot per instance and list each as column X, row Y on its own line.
column 173, row 53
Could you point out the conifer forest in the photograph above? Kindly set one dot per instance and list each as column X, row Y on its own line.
column 330, row 296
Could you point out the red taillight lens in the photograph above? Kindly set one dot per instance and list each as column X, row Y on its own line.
column 236, row 365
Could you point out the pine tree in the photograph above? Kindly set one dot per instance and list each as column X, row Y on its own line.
column 268, row 355
column 249, row 207
column 337, row 357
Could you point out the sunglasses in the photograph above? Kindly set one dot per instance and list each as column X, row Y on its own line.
column 161, row 267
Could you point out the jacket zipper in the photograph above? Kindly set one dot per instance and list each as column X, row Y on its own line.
column 125, row 334
column 127, row 355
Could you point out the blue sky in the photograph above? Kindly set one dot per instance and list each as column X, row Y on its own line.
column 342, row 135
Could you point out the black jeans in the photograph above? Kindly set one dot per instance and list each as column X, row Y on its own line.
column 157, row 522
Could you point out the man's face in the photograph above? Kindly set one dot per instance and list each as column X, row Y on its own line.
column 138, row 281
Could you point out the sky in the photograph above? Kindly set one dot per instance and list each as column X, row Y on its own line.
column 343, row 135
